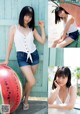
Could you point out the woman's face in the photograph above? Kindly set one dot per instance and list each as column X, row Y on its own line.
column 62, row 80
column 27, row 19
column 62, row 13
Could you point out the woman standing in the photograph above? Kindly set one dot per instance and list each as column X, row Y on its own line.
column 23, row 36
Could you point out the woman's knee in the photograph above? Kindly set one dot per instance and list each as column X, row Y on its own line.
column 58, row 46
column 32, row 83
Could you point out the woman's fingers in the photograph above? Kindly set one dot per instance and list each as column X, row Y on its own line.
column 41, row 23
column 56, row 84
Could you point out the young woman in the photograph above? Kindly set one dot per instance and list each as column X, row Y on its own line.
column 63, row 94
column 70, row 32
column 23, row 36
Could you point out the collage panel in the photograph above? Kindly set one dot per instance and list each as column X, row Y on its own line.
column 64, row 65
column 63, row 23
column 39, row 57
column 63, row 90
column 23, row 56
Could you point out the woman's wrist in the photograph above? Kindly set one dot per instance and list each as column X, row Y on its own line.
column 42, row 28
column 58, row 88
column 6, row 59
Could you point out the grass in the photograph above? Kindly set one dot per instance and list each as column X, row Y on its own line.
column 78, row 93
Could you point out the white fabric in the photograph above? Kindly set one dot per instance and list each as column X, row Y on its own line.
column 24, row 43
column 73, row 27
column 59, row 102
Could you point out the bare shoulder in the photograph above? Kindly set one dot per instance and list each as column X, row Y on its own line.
column 72, row 89
column 71, row 18
column 34, row 30
column 13, row 29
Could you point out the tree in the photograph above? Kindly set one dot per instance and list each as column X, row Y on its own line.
column 77, row 71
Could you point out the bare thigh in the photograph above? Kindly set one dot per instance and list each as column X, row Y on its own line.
column 34, row 68
column 65, row 42
column 28, row 73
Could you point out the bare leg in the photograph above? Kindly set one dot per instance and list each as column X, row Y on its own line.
column 55, row 42
column 65, row 42
column 29, row 72
column 34, row 68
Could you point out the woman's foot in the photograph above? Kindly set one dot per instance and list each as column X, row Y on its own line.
column 25, row 106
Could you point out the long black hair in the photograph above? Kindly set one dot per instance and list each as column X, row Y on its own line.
column 57, row 11
column 28, row 11
column 63, row 72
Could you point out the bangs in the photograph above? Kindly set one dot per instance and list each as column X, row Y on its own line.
column 59, row 9
column 61, row 73
column 29, row 12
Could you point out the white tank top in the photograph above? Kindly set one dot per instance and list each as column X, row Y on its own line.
column 24, row 43
column 59, row 102
column 73, row 27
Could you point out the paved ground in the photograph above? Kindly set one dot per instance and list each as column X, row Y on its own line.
column 36, row 107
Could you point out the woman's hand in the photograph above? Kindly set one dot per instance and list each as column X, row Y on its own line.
column 52, row 105
column 61, row 38
column 41, row 24
column 57, row 85
column 60, row 41
column 5, row 62
column 49, row 105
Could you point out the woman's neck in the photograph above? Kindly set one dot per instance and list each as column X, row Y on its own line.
column 25, row 26
column 65, row 17
column 63, row 88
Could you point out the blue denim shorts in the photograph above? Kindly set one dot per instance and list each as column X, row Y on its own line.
column 74, row 35
column 23, row 61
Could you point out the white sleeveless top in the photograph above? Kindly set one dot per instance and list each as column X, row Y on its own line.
column 24, row 43
column 73, row 27
column 59, row 102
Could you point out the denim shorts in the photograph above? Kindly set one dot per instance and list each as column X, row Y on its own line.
column 74, row 35
column 23, row 61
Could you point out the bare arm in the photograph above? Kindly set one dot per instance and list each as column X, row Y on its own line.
column 71, row 21
column 10, row 44
column 39, row 38
column 54, row 94
column 71, row 103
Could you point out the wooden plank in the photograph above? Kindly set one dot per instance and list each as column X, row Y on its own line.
column 8, row 22
column 36, row 10
column 2, row 43
column 2, row 9
column 56, row 57
column 45, row 68
column 46, row 17
column 52, row 57
column 8, row 7
column 13, row 52
column 22, row 3
column 59, row 57
column 14, row 14
column 42, row 12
